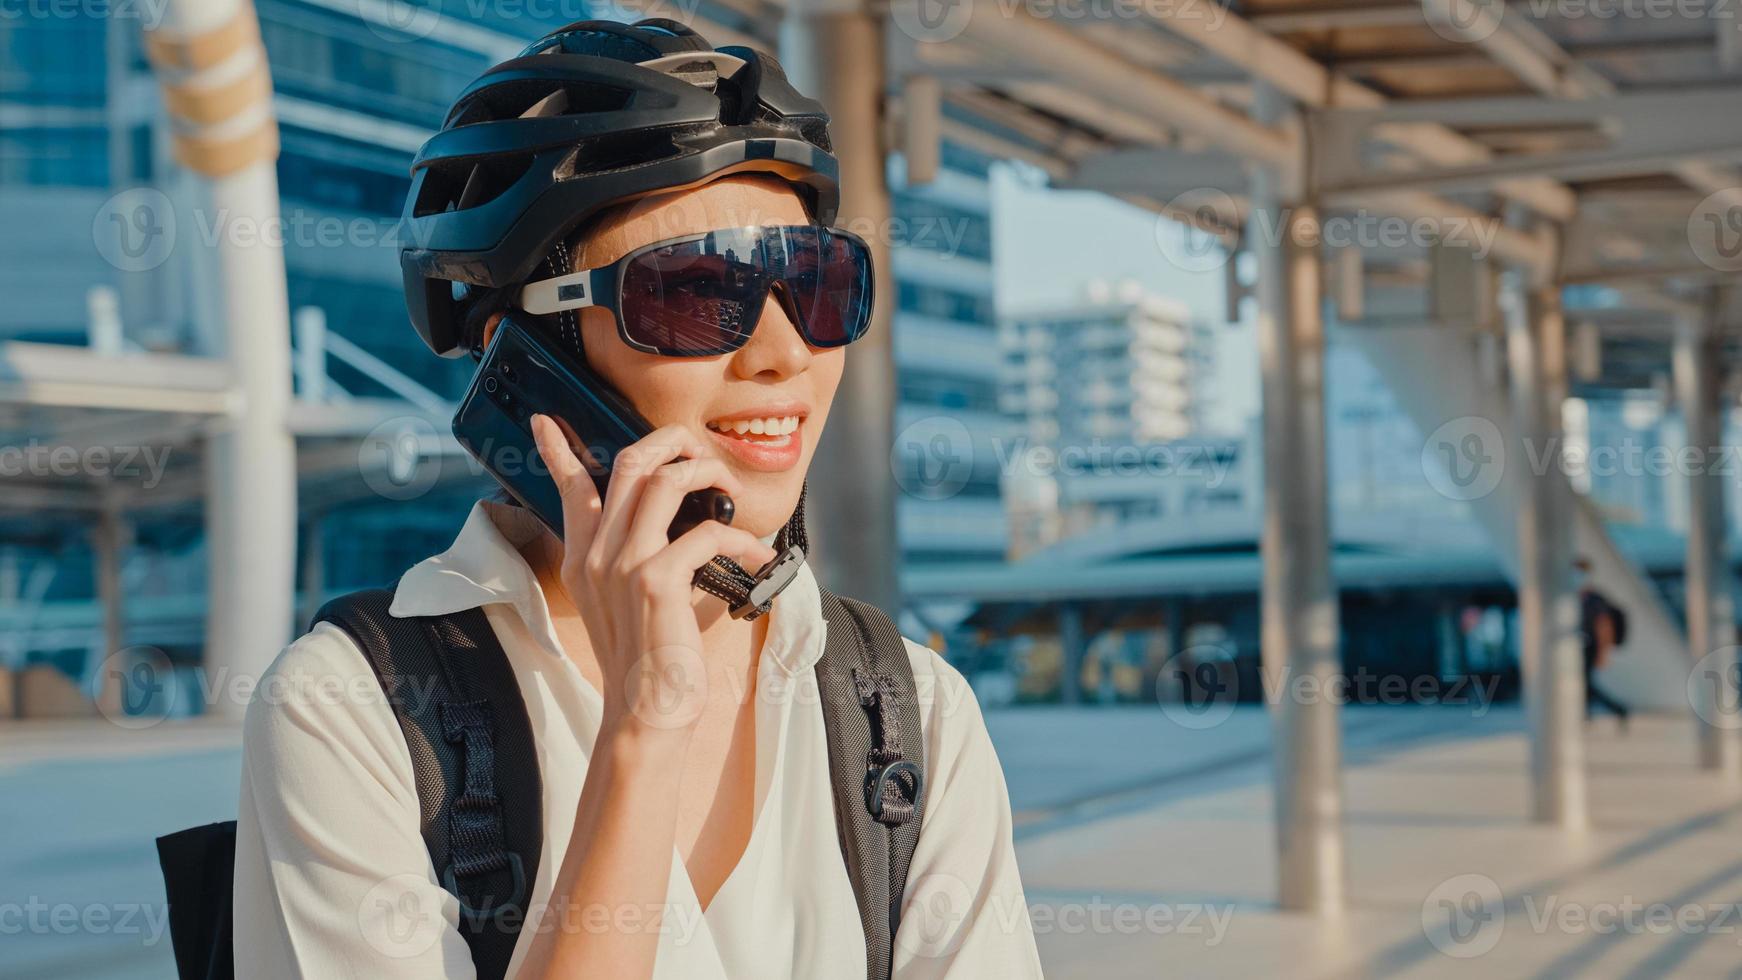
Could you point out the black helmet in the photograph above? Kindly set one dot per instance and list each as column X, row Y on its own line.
column 589, row 115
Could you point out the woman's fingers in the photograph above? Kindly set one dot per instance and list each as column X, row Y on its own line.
column 663, row 493
column 581, row 506
column 629, row 471
column 677, row 562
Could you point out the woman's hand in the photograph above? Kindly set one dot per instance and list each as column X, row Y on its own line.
column 631, row 584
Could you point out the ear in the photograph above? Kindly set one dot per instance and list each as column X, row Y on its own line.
column 490, row 327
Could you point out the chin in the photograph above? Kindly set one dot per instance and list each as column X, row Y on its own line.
column 765, row 506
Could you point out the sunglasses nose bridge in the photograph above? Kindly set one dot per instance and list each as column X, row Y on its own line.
column 775, row 343
column 782, row 294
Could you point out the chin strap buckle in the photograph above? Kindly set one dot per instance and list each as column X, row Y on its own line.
column 768, row 582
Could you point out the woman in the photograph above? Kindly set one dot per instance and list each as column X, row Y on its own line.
column 689, row 826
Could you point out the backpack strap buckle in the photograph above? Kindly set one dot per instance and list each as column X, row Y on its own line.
column 892, row 790
column 892, row 783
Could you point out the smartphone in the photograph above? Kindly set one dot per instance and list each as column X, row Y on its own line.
column 522, row 375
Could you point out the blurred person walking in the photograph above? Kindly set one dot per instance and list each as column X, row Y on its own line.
column 1602, row 628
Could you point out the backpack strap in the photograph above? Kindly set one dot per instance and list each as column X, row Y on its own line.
column 478, row 783
column 876, row 763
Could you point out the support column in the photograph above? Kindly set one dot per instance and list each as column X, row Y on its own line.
column 108, row 540
column 1301, row 632
column 1551, row 657
column 11, row 648
column 212, row 68
column 1072, row 644
column 1710, row 616
column 314, row 568
column 832, row 51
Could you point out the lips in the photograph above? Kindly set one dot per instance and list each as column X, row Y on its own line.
column 767, row 441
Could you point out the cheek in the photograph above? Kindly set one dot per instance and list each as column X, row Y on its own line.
column 663, row 389
column 826, row 368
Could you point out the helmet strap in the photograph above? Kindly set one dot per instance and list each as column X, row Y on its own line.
column 751, row 595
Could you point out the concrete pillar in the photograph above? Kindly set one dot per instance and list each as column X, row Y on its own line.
column 1548, row 607
column 1073, row 642
column 1710, row 616
column 1301, row 634
column 832, row 51
column 314, row 569
column 311, row 354
column 108, row 541
column 212, row 68
column 11, row 647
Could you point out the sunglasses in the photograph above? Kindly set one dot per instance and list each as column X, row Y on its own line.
column 701, row 295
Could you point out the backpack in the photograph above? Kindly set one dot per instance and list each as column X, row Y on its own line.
column 1617, row 622
column 472, row 750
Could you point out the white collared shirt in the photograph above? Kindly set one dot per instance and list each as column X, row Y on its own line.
column 332, row 879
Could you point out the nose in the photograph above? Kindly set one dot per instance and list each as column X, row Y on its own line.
column 776, row 349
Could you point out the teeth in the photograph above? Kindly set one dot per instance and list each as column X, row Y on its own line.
column 760, row 427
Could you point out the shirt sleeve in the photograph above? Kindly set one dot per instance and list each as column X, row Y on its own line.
column 963, row 914
column 332, row 879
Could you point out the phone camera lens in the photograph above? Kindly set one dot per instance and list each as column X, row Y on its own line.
column 508, row 372
column 490, row 384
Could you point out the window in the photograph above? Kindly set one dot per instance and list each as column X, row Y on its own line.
column 947, row 304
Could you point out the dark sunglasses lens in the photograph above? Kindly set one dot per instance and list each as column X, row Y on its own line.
column 829, row 278
column 705, row 296
column 687, row 299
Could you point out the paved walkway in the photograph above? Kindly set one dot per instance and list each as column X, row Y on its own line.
column 1145, row 843
column 1446, row 877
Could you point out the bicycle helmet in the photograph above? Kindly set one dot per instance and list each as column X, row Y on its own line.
column 590, row 115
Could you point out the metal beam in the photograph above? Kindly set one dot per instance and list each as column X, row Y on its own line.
column 1643, row 133
column 1309, row 83
column 1339, row 17
column 1058, row 52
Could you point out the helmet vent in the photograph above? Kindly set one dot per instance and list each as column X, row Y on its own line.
column 615, row 153
column 469, row 185
column 537, row 97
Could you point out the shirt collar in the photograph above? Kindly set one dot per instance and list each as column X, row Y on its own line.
column 484, row 566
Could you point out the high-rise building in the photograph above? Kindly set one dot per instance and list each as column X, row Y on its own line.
column 107, row 221
column 946, row 352
column 1123, row 367
column 1109, row 399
